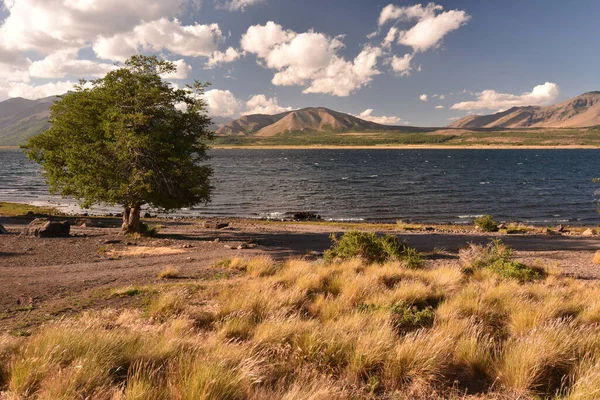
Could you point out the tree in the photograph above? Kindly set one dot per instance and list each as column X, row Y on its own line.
column 130, row 139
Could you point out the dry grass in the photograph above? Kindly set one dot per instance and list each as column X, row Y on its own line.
column 169, row 273
column 313, row 330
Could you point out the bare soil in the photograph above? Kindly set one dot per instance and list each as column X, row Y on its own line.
column 45, row 279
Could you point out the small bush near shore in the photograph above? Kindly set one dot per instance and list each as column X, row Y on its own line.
column 486, row 223
column 372, row 248
column 497, row 257
column 169, row 273
column 315, row 330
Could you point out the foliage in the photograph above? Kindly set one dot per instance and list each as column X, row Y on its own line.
column 486, row 223
column 497, row 257
column 124, row 139
column 406, row 318
column 372, row 248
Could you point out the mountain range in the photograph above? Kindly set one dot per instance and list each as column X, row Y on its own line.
column 580, row 111
column 21, row 118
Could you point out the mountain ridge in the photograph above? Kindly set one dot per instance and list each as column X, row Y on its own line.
column 579, row 112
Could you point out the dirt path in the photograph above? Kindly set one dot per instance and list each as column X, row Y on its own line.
column 46, row 278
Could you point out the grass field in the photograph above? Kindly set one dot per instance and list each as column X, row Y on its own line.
column 343, row 328
column 557, row 137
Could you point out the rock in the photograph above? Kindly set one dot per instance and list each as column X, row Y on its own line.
column 44, row 228
column 242, row 246
column 217, row 240
column 30, row 214
column 148, row 215
column 3, row 230
column 597, row 258
column 211, row 224
column 429, row 229
column 305, row 216
column 588, row 232
column 227, row 246
column 111, row 241
column 560, row 228
column 501, row 226
column 89, row 223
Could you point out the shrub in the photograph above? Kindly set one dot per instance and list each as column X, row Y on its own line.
column 486, row 223
column 407, row 318
column 497, row 257
column 372, row 248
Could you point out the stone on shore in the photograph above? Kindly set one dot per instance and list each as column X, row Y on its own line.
column 588, row 232
column 597, row 258
column 44, row 228
column 211, row 224
column 3, row 230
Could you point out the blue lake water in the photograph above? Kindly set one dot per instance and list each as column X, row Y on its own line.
column 534, row 186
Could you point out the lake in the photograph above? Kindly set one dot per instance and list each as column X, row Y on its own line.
column 533, row 186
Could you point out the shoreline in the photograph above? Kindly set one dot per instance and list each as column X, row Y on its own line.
column 391, row 147
column 408, row 147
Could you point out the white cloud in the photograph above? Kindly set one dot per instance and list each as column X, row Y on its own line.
column 429, row 32
column 439, row 107
column 221, row 103
column 219, row 57
column 431, row 27
column 182, row 72
column 49, row 25
column 163, row 34
column 423, row 97
column 402, row 65
column 384, row 120
column 392, row 12
column 35, row 91
column 260, row 104
column 237, row 5
column 310, row 59
column 390, row 37
column 261, row 39
column 541, row 95
column 65, row 62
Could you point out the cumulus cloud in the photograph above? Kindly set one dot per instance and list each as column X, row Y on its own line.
column 384, row 120
column 45, row 26
column 182, row 71
column 402, row 65
column 237, row 5
column 541, row 95
column 439, row 107
column 423, row 97
column 310, row 59
column 28, row 91
column 260, row 104
column 163, row 34
column 221, row 103
column 66, row 62
column 220, row 57
column 431, row 27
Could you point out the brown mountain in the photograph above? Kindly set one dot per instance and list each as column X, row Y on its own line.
column 306, row 119
column 581, row 111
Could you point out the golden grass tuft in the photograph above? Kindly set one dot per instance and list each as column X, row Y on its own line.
column 169, row 273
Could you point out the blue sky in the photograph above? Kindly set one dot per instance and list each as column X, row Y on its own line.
column 446, row 59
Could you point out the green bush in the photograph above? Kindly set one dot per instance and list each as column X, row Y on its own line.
column 486, row 223
column 497, row 257
column 372, row 248
column 407, row 318
column 515, row 270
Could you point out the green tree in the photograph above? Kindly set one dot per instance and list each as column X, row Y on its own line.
column 130, row 139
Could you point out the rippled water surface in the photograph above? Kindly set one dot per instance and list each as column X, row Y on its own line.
column 536, row 186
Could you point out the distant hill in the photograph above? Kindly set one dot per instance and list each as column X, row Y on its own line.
column 581, row 111
column 21, row 119
column 306, row 119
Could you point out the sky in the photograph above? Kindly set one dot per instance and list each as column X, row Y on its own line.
column 399, row 62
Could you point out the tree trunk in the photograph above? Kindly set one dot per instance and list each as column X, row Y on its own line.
column 131, row 220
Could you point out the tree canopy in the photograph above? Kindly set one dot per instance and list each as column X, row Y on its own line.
column 129, row 138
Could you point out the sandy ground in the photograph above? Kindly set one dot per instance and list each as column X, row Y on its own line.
column 44, row 279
